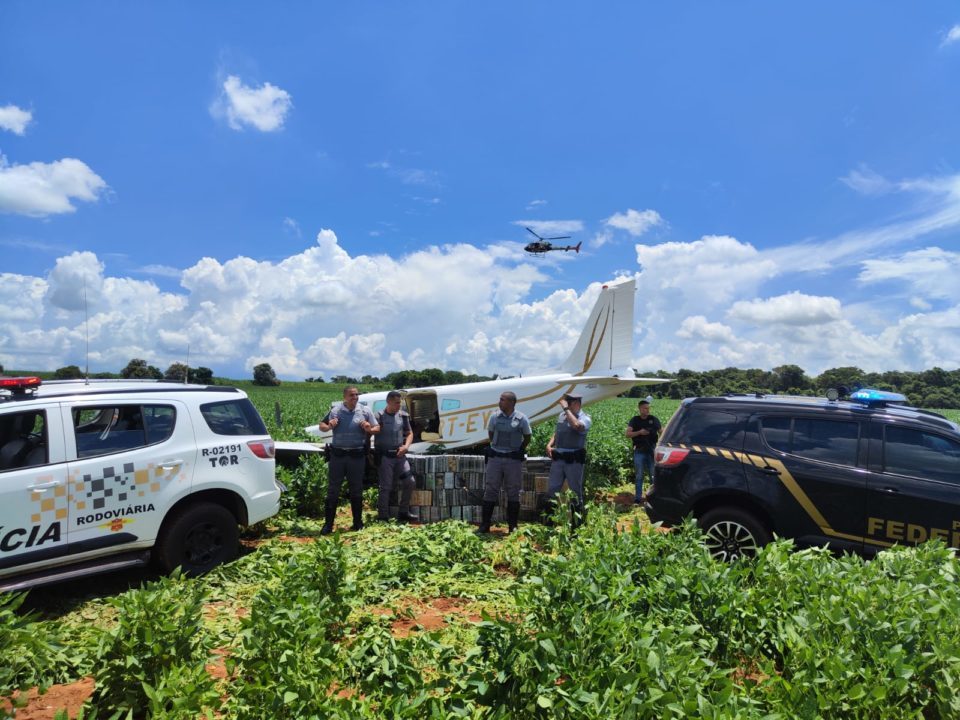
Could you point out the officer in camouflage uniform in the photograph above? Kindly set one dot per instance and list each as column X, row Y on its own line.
column 351, row 424
column 567, row 450
column 509, row 433
column 393, row 442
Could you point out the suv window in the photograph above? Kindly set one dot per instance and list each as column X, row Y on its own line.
column 832, row 441
column 23, row 439
column 233, row 417
column 708, row 427
column 102, row 430
column 920, row 454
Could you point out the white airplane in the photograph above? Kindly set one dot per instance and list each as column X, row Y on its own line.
column 455, row 416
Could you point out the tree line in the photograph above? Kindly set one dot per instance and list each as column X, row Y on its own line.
column 933, row 388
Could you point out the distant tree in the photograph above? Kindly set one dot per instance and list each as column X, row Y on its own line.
column 201, row 376
column 790, row 377
column 177, row 372
column 263, row 374
column 68, row 372
column 369, row 380
column 139, row 369
column 343, row 380
column 842, row 376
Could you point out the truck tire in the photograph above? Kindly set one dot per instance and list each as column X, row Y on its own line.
column 731, row 533
column 197, row 538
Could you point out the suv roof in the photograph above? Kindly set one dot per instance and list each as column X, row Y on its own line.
column 822, row 403
column 49, row 389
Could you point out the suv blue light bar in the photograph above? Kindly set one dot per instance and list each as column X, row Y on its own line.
column 878, row 398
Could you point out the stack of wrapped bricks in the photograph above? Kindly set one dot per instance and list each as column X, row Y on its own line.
column 450, row 487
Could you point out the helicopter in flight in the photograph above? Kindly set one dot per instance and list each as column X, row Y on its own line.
column 542, row 244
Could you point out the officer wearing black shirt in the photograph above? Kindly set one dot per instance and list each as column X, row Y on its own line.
column 644, row 429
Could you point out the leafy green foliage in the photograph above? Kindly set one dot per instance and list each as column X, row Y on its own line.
column 30, row 650
column 154, row 658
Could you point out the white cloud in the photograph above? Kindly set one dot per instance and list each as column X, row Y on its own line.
column 41, row 189
column 534, row 204
column 952, row 35
column 931, row 272
column 791, row 309
column 264, row 108
column 14, row 119
column 868, row 182
column 291, row 226
column 634, row 222
column 697, row 327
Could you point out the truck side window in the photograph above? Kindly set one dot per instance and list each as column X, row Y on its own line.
column 108, row 429
column 920, row 454
column 709, row 427
column 833, row 441
column 23, row 440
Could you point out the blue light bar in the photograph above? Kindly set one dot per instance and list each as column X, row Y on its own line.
column 868, row 396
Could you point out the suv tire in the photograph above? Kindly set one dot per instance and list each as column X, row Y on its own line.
column 197, row 538
column 731, row 533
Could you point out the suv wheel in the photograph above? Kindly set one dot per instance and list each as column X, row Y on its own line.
column 731, row 533
column 198, row 538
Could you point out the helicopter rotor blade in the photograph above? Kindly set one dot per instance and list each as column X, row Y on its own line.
column 534, row 234
column 558, row 237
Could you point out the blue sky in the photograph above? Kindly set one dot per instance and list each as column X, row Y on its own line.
column 343, row 188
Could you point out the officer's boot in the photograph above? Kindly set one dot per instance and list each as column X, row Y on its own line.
column 356, row 505
column 513, row 515
column 547, row 508
column 578, row 514
column 329, row 516
column 487, row 516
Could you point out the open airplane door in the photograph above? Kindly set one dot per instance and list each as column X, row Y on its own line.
column 424, row 415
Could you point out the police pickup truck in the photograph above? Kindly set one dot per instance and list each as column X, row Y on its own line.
column 100, row 475
column 860, row 474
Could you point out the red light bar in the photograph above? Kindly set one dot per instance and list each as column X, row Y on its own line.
column 19, row 383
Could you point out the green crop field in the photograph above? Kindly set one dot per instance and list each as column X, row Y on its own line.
column 617, row 621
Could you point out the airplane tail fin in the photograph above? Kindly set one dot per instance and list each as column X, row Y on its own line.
column 606, row 342
column 577, row 247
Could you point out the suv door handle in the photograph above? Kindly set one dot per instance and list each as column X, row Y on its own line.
column 44, row 486
column 769, row 470
column 170, row 464
column 889, row 490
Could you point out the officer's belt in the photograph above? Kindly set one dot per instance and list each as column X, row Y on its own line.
column 347, row 452
column 508, row 455
column 387, row 453
column 571, row 456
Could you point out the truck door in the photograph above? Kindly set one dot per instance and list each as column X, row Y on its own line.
column 820, row 464
column 34, row 502
column 914, row 491
column 130, row 461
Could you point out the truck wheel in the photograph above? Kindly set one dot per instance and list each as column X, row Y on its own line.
column 731, row 533
column 197, row 538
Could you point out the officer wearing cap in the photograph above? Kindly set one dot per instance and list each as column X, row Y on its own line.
column 643, row 429
column 567, row 450
column 509, row 433
column 352, row 424
column 393, row 442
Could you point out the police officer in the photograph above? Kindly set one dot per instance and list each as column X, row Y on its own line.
column 351, row 423
column 393, row 442
column 643, row 429
column 567, row 450
column 509, row 433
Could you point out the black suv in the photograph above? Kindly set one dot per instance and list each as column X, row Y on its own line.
column 859, row 475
